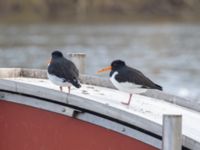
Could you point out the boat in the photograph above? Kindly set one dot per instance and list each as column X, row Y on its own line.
column 34, row 114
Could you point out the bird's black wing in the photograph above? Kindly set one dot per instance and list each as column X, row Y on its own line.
column 65, row 69
column 136, row 77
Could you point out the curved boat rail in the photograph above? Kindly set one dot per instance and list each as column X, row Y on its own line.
column 99, row 81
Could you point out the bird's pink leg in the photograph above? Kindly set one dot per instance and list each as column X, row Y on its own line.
column 69, row 89
column 61, row 88
column 129, row 101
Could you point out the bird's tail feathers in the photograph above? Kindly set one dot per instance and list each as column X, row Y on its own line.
column 158, row 87
column 76, row 83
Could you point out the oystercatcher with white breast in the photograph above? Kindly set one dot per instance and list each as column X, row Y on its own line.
column 128, row 79
column 62, row 72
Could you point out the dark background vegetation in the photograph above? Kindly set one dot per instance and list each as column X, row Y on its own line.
column 103, row 10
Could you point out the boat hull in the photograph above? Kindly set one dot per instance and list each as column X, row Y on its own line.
column 26, row 128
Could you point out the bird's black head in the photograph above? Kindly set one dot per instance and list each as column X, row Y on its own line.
column 56, row 54
column 117, row 64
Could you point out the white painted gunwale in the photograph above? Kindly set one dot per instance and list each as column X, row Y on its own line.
column 102, row 82
column 143, row 112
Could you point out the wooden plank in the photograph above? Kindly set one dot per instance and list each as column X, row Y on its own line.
column 10, row 72
column 34, row 73
column 98, row 81
column 79, row 61
column 172, row 132
column 194, row 105
column 22, row 72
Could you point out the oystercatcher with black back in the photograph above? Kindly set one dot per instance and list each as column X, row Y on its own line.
column 128, row 79
column 62, row 72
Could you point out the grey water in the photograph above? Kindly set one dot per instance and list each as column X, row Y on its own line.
column 169, row 54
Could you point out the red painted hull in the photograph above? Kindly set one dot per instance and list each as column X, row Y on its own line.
column 27, row 128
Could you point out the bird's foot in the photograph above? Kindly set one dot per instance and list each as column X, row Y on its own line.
column 69, row 89
column 61, row 88
column 124, row 103
column 129, row 101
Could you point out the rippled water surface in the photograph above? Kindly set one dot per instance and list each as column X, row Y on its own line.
column 169, row 54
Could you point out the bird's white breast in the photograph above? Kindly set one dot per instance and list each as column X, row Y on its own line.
column 126, row 86
column 57, row 81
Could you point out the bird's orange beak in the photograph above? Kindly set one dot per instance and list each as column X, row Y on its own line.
column 49, row 61
column 104, row 69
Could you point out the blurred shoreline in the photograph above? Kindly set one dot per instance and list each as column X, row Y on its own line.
column 99, row 11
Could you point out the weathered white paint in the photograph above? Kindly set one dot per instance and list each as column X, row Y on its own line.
column 172, row 132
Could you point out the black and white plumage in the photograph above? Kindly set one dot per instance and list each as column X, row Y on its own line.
column 128, row 79
column 62, row 72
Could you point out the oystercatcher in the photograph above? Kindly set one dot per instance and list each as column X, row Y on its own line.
column 62, row 72
column 128, row 79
